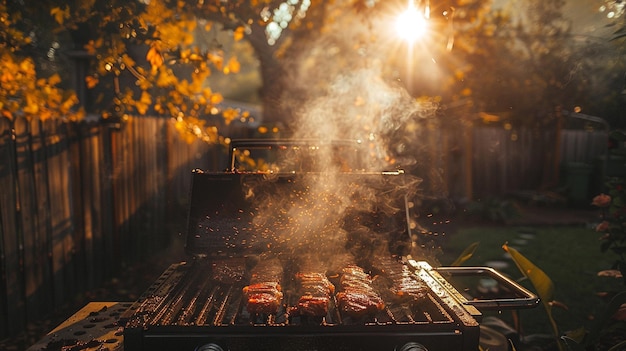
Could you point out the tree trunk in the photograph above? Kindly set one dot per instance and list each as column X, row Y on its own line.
column 272, row 75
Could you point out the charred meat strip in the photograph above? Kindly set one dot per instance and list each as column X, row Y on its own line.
column 397, row 283
column 264, row 294
column 357, row 297
column 315, row 291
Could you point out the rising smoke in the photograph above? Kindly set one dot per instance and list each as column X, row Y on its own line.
column 341, row 89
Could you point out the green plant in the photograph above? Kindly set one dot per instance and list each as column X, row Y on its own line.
column 607, row 331
column 609, row 327
column 542, row 283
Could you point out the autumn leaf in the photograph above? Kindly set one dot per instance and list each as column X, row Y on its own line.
column 216, row 99
column 239, row 33
column 144, row 84
column 143, row 103
column 154, row 57
column 229, row 115
column 91, row 81
column 217, row 58
column 31, row 104
column 54, row 79
column 27, row 67
column 69, row 103
column 60, row 15
column 166, row 79
column 92, row 46
column 233, row 66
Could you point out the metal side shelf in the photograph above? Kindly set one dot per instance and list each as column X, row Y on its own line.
column 95, row 326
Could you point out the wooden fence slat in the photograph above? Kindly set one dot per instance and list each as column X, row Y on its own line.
column 93, row 167
column 13, row 294
column 109, row 226
column 40, row 170
column 61, row 220
column 77, row 179
column 33, row 228
column 6, row 137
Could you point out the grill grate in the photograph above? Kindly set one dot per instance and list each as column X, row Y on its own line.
column 185, row 308
column 183, row 296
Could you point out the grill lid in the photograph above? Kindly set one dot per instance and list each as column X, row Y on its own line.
column 235, row 213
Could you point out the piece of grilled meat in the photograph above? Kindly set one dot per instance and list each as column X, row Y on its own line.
column 315, row 291
column 264, row 294
column 396, row 283
column 357, row 297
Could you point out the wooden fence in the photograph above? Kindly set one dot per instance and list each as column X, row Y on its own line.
column 79, row 201
column 474, row 162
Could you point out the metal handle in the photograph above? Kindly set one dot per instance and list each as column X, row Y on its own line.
column 526, row 300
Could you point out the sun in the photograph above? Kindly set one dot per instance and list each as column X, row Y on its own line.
column 411, row 25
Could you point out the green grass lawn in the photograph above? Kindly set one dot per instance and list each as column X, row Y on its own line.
column 570, row 256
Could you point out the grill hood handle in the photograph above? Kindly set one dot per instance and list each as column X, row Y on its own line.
column 523, row 297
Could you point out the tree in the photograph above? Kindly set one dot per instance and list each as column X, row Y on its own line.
column 23, row 90
column 145, row 58
column 521, row 63
column 143, row 55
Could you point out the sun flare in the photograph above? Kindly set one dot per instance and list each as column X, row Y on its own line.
column 411, row 25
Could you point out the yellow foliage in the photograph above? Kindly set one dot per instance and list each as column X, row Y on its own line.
column 238, row 33
column 22, row 93
column 156, row 13
column 143, row 83
column 54, row 79
column 143, row 103
column 166, row 78
column 91, row 81
column 216, row 99
column 233, row 66
column 31, row 106
column 183, row 88
column 60, row 15
column 229, row 115
column 92, row 46
column 154, row 57
column 217, row 58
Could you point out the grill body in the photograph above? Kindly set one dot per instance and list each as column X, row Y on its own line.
column 235, row 216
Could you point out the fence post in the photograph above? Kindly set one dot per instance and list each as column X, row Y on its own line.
column 12, row 254
column 9, row 258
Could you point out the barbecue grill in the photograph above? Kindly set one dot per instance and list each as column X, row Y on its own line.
column 303, row 216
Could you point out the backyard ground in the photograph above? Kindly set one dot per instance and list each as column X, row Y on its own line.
column 129, row 285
